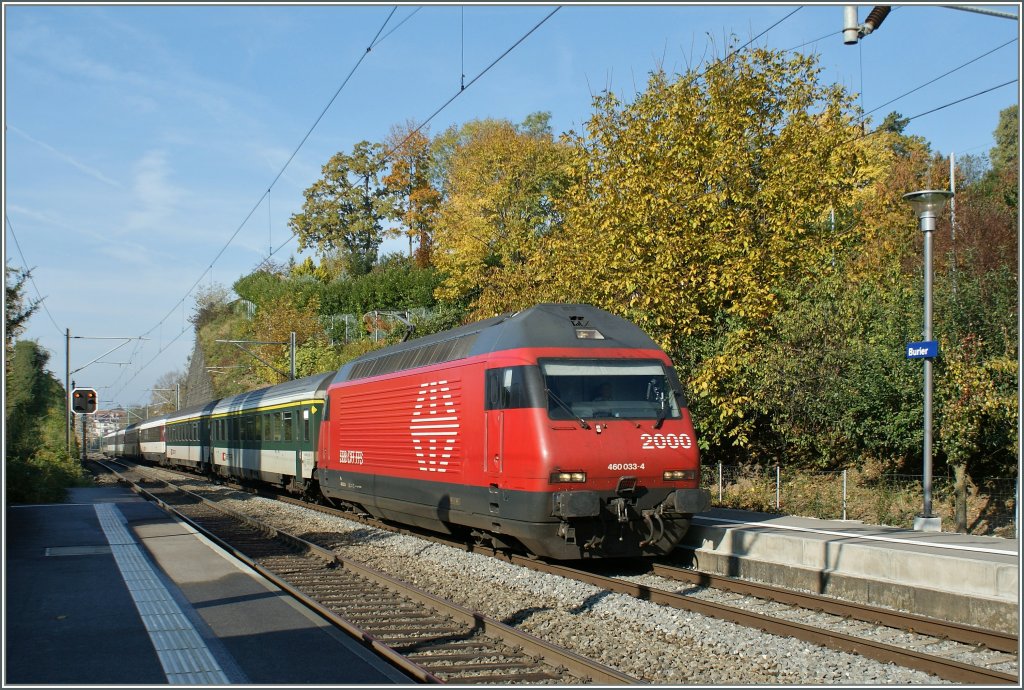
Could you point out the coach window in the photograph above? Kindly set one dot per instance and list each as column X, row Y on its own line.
column 267, row 434
column 305, row 425
column 275, row 422
column 287, row 426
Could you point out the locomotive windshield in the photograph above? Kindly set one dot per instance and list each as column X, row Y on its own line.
column 602, row 388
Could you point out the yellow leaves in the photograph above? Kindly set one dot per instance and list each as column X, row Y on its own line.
column 501, row 184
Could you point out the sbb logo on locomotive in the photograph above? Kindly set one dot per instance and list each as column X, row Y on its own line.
column 434, row 426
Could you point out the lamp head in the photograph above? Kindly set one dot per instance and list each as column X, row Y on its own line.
column 928, row 202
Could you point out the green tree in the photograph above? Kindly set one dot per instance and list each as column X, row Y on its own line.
column 345, row 209
column 38, row 465
column 17, row 310
column 1006, row 152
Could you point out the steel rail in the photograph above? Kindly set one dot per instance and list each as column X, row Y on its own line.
column 957, row 632
column 944, row 668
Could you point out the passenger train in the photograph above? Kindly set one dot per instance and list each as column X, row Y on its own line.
column 561, row 430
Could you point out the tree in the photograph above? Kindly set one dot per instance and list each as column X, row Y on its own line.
column 501, row 188
column 274, row 322
column 1006, row 152
column 410, row 183
column 345, row 209
column 212, row 302
column 17, row 311
column 170, row 387
column 38, row 465
column 695, row 205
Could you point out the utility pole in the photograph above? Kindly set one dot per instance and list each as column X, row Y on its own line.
column 67, row 389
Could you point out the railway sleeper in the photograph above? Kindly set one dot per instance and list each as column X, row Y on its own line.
column 360, row 612
column 385, row 631
column 414, row 647
column 505, row 678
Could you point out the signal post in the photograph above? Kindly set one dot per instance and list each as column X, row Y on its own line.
column 83, row 402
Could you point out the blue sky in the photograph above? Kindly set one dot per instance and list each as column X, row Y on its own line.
column 138, row 139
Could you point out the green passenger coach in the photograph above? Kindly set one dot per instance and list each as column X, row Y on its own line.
column 269, row 434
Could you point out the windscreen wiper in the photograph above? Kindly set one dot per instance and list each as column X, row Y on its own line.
column 662, row 414
column 583, row 422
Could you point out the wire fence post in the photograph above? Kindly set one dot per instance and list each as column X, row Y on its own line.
column 844, row 494
column 719, row 482
column 778, row 488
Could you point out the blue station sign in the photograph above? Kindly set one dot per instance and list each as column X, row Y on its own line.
column 926, row 349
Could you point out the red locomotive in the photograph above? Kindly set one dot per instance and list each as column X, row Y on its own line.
column 561, row 429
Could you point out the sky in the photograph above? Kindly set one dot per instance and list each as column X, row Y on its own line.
column 140, row 142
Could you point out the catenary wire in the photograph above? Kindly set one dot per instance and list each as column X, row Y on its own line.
column 935, row 110
column 28, row 272
column 280, row 173
column 180, row 303
column 425, row 122
column 941, row 76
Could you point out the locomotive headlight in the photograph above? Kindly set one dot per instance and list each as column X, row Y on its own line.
column 679, row 475
column 589, row 334
column 568, row 477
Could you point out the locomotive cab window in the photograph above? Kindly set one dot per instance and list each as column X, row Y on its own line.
column 514, row 387
column 608, row 388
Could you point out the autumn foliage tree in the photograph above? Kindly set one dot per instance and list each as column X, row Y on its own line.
column 410, row 181
column 692, row 208
column 502, row 183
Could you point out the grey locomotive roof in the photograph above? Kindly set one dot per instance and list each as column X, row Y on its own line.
column 544, row 325
column 290, row 391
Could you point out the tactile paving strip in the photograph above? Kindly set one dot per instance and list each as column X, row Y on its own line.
column 184, row 656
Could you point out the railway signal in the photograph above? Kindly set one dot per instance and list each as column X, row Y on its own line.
column 83, row 401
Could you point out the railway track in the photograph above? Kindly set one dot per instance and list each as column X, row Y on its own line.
column 950, row 651
column 968, row 655
column 432, row 640
column 845, row 627
column 876, row 615
column 963, row 654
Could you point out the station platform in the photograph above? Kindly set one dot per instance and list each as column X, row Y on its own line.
column 962, row 578
column 107, row 589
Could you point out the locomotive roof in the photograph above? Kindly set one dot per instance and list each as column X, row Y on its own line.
column 543, row 325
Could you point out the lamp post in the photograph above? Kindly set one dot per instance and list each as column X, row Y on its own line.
column 927, row 204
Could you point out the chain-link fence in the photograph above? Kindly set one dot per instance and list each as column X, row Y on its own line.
column 890, row 499
column 375, row 325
